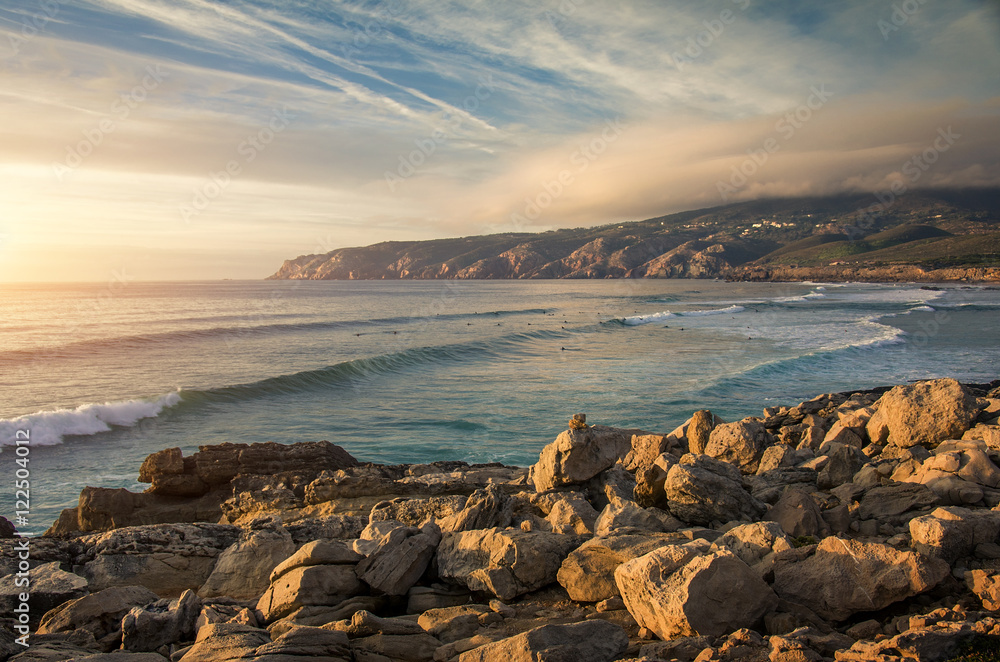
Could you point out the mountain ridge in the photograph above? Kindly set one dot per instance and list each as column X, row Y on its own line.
column 946, row 234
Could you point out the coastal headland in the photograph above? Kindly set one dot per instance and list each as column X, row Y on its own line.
column 853, row 526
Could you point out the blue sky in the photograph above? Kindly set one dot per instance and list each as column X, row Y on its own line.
column 183, row 139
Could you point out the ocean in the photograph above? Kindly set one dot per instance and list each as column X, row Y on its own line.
column 415, row 371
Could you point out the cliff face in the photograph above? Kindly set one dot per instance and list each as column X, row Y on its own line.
column 943, row 235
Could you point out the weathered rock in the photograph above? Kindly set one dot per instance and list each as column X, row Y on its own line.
column 626, row 514
column 701, row 490
column 797, row 514
column 437, row 596
column 243, row 570
column 844, row 462
column 752, row 543
column 305, row 643
column 314, row 585
column 49, row 588
column 506, row 563
column 401, row 648
column 160, row 623
column 891, row 502
column 400, row 559
column 567, row 512
column 611, row 485
column 844, row 577
column 649, row 482
column 950, row 533
column 741, row 443
column 486, row 508
column 452, row 623
column 927, row 412
column 100, row 613
column 699, row 430
column 318, row 552
column 647, row 447
column 588, row 572
column 219, row 464
column 222, row 642
column 167, row 558
column 578, row 455
column 104, row 509
column 589, row 641
column 986, row 585
column 988, row 434
column 365, row 624
column 676, row 591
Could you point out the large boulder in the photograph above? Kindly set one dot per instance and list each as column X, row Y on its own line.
column 50, row 587
column 741, row 443
column 588, row 572
column 896, row 502
column 699, row 429
column 167, row 558
column 677, row 591
column 506, row 563
column 588, row 641
column 100, row 613
column 797, row 514
column 567, row 512
column 752, row 543
column 160, row 623
column 309, row 585
column 927, row 412
column 222, row 642
column 243, row 570
column 986, row 585
column 484, row 509
column 701, row 489
column 578, row 455
column 305, row 643
column 400, row 559
column 844, row 577
column 621, row 514
column 951, row 533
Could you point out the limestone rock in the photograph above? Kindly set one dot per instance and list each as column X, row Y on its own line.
column 222, row 642
column 452, row 623
column 699, row 430
column 676, row 591
column 844, row 577
column 986, row 585
column 305, row 643
column 647, row 447
column 626, row 514
column 578, row 455
column 50, row 587
column 486, row 508
column 160, row 623
column 506, row 563
column 890, row 502
column 243, row 570
column 400, row 559
column 798, row 515
column 649, row 482
column 568, row 512
column 927, row 412
column 167, row 558
column 314, row 585
column 844, row 462
column 950, row 533
column 588, row 572
column 588, row 641
column 99, row 613
column 741, row 443
column 752, row 543
column 318, row 552
column 701, row 489
column 397, row 648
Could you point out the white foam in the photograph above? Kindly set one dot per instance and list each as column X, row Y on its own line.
column 47, row 428
column 637, row 320
column 922, row 309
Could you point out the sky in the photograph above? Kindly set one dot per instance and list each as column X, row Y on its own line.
column 203, row 139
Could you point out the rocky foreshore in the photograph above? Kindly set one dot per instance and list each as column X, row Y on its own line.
column 851, row 527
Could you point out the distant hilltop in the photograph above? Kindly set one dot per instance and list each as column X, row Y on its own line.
column 939, row 235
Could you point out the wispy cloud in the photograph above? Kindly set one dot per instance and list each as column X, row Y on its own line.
column 396, row 89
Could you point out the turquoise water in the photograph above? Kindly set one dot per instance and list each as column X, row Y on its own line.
column 396, row 372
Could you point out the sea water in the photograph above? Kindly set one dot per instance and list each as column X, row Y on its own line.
column 417, row 371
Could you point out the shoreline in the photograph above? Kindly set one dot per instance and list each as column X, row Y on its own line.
column 601, row 544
